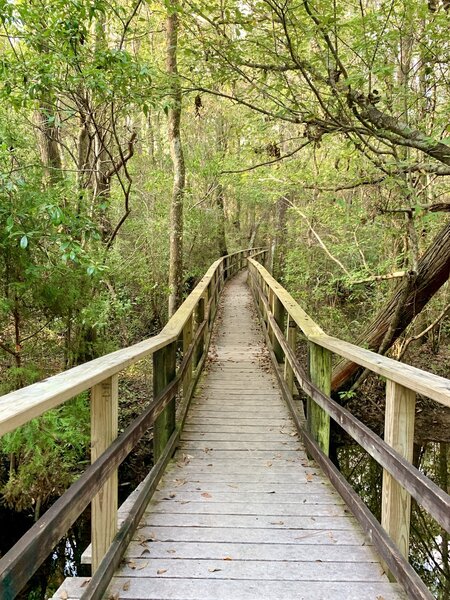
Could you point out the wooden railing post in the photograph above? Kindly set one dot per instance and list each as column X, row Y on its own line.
column 164, row 364
column 319, row 360
column 104, row 424
column 199, row 318
column 187, row 340
column 399, row 434
column 278, row 312
column 291, row 337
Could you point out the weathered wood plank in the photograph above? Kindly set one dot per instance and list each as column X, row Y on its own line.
column 209, row 588
column 253, row 569
column 309, row 551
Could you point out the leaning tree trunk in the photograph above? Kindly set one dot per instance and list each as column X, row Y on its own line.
column 176, row 153
column 407, row 301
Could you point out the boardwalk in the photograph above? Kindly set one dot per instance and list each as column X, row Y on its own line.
column 241, row 514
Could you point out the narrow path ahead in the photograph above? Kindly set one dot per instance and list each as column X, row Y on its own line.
column 241, row 514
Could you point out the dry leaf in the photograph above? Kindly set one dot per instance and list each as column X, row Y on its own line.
column 85, row 582
column 213, row 570
column 145, row 551
column 206, row 495
column 64, row 595
column 268, row 464
column 161, row 571
column 171, row 551
column 131, row 564
column 126, row 585
column 277, row 522
column 179, row 482
column 142, row 566
column 227, row 558
column 309, row 477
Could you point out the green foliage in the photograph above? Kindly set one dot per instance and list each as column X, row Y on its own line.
column 46, row 455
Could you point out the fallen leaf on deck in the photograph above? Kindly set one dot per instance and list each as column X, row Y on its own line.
column 161, row 571
column 179, row 482
column 131, row 564
column 309, row 477
column 142, row 566
column 64, row 595
column 126, row 585
column 277, row 522
column 206, row 495
column 213, row 570
column 227, row 558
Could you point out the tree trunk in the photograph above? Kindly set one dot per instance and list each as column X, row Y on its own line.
column 279, row 255
column 48, row 141
column 176, row 153
column 221, row 237
column 221, row 146
column 407, row 301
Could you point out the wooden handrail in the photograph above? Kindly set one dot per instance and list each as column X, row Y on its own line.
column 98, row 484
column 422, row 382
column 401, row 480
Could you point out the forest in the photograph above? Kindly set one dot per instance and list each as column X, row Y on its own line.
column 141, row 140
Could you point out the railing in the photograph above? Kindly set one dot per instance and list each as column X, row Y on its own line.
column 282, row 319
column 186, row 337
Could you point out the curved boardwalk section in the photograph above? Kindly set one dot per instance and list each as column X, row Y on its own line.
column 241, row 514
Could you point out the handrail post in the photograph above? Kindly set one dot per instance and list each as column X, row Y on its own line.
column 399, row 434
column 319, row 362
column 291, row 337
column 199, row 318
column 164, row 365
column 278, row 312
column 187, row 340
column 104, row 427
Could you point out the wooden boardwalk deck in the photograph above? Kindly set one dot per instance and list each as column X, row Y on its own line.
column 241, row 513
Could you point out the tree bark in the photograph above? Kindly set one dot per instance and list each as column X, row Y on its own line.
column 179, row 172
column 48, row 141
column 433, row 270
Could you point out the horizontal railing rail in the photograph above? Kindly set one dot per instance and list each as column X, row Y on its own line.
column 283, row 319
column 187, row 334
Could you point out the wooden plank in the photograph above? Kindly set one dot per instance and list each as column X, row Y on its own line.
column 245, row 438
column 293, row 524
column 399, row 434
column 224, row 535
column 252, row 551
column 253, row 569
column 241, row 445
column 104, row 427
column 237, row 508
column 312, row 492
column 209, row 495
column 210, row 588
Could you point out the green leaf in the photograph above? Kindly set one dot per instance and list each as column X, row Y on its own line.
column 23, row 242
